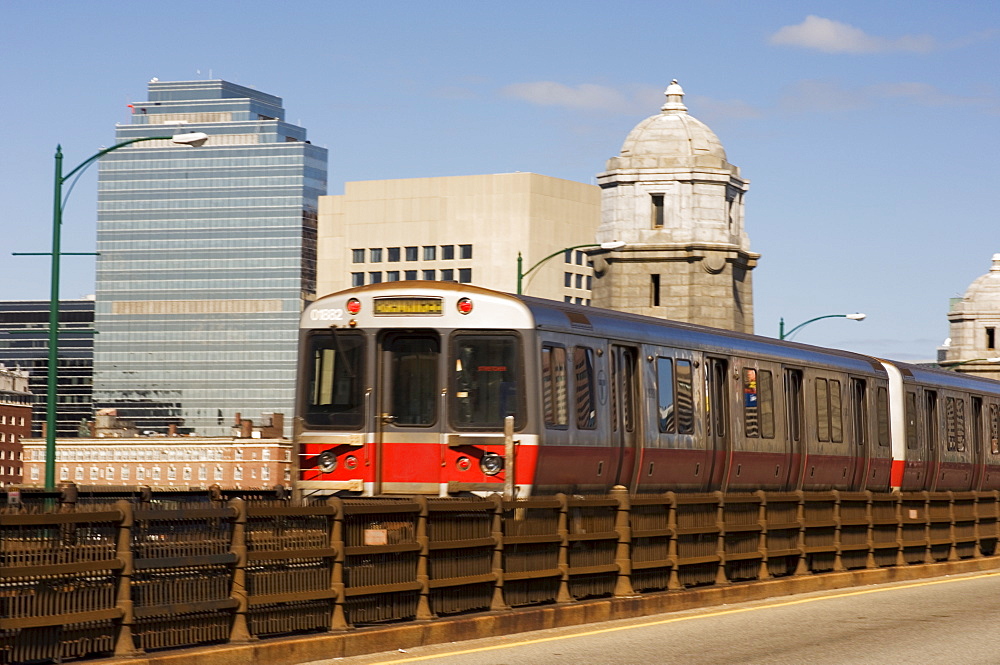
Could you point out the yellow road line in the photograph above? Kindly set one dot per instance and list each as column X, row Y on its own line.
column 689, row 617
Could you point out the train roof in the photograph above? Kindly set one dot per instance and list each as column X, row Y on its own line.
column 651, row 330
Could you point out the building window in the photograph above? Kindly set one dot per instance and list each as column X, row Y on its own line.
column 358, row 255
column 654, row 283
column 410, row 275
column 265, row 454
column 34, row 473
column 393, row 254
column 465, row 275
column 589, row 278
column 567, row 279
column 430, row 252
column 109, row 473
column 64, row 473
column 580, row 257
column 392, row 276
column 186, row 473
column 991, row 338
column 447, row 252
column 238, row 473
column 202, row 472
column 171, row 473
column 374, row 278
column 411, row 253
column 568, row 256
column 265, row 473
column 657, row 211
column 567, row 298
column 357, row 279
column 579, row 281
column 218, row 472
column 429, row 274
column 465, row 251
column 125, row 473
column 448, row 275
column 156, row 473
column 94, row 473
column 376, row 254
column 140, row 473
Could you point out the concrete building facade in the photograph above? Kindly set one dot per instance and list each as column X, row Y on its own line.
column 466, row 229
column 677, row 202
column 178, row 462
column 974, row 327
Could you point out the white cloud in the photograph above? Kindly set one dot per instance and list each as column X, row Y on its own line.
column 829, row 36
column 584, row 96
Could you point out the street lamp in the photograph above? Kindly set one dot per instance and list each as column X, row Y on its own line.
column 952, row 364
column 190, row 139
column 785, row 335
column 521, row 274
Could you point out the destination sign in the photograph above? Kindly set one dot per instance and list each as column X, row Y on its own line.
column 408, row 306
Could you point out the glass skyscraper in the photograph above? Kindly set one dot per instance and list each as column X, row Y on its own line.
column 207, row 255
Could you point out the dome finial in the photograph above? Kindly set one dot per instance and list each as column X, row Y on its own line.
column 675, row 99
column 996, row 263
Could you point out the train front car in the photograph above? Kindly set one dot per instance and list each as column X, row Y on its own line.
column 404, row 388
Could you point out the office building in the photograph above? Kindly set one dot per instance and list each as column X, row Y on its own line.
column 24, row 345
column 466, row 229
column 15, row 423
column 207, row 255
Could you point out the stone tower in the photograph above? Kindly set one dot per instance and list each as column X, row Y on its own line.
column 974, row 323
column 676, row 202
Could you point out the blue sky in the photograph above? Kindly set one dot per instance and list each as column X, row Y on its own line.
column 868, row 130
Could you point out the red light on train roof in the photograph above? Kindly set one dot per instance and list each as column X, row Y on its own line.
column 353, row 305
column 464, row 305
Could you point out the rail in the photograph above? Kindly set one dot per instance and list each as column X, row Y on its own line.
column 90, row 573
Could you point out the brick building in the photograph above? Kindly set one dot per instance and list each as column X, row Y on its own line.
column 15, row 423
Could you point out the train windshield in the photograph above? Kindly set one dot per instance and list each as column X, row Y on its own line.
column 485, row 380
column 335, row 396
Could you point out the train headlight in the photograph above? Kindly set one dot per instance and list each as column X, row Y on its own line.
column 463, row 464
column 491, row 464
column 326, row 461
column 464, row 306
column 351, row 462
column 353, row 305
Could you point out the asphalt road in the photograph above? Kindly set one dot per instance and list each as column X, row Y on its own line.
column 946, row 621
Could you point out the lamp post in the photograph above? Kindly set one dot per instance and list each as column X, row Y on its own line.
column 521, row 274
column 191, row 139
column 952, row 364
column 785, row 335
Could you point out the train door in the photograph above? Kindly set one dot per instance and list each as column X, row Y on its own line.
column 794, row 408
column 410, row 414
column 978, row 443
column 861, row 423
column 624, row 413
column 717, row 416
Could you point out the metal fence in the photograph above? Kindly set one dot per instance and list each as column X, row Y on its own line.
column 98, row 573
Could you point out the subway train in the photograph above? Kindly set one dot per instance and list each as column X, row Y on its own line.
column 405, row 388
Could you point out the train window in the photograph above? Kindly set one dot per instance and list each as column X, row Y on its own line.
column 822, row 410
column 485, row 382
column 911, row 420
column 665, row 395
column 751, row 404
column 954, row 414
column 836, row 413
column 413, row 371
column 931, row 421
column 793, row 401
column 554, row 386
column 995, row 429
column 977, row 423
column 583, row 384
column 336, row 380
column 859, row 402
column 685, row 397
column 765, row 400
column 882, row 415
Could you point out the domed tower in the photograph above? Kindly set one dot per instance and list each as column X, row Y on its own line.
column 676, row 202
column 974, row 323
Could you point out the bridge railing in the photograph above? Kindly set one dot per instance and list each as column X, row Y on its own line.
column 91, row 573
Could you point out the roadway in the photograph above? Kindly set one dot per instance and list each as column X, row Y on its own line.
column 946, row 621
